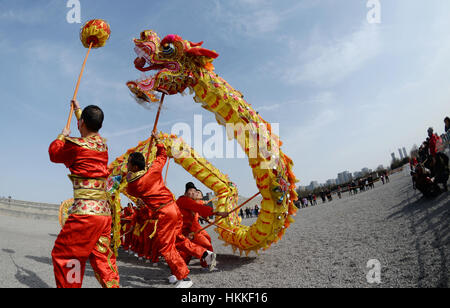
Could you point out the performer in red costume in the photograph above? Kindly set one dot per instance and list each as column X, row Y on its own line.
column 126, row 218
column 192, row 206
column 147, row 183
column 143, row 229
column 138, row 222
column 148, row 233
column 87, row 232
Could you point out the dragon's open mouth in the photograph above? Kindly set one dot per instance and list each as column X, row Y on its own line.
column 162, row 73
column 146, row 53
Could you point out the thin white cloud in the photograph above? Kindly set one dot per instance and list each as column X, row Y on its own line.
column 322, row 99
column 5, row 45
column 329, row 61
column 254, row 18
column 269, row 107
column 23, row 16
column 308, row 131
column 135, row 130
column 54, row 55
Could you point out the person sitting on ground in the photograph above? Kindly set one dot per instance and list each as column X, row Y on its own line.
column 424, row 183
column 441, row 169
column 192, row 206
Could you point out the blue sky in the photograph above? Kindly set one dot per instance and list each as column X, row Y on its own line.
column 345, row 92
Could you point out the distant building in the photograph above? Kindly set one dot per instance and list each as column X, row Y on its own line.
column 313, row 185
column 393, row 156
column 401, row 154
column 404, row 152
column 365, row 170
column 357, row 174
column 331, row 182
column 344, row 177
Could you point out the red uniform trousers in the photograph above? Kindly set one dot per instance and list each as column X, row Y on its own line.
column 201, row 239
column 138, row 240
column 170, row 241
column 84, row 237
column 148, row 242
column 135, row 238
column 127, row 237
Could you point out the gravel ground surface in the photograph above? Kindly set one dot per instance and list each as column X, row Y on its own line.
column 329, row 245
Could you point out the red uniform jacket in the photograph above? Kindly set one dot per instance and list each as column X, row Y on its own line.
column 85, row 157
column 138, row 218
column 128, row 212
column 127, row 215
column 149, row 185
column 191, row 209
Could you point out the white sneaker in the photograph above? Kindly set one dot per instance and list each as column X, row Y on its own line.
column 126, row 251
column 155, row 264
column 147, row 261
column 130, row 252
column 136, row 255
column 184, row 284
column 140, row 258
column 211, row 260
column 173, row 279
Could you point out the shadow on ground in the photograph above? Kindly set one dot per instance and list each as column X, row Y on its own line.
column 428, row 215
column 25, row 276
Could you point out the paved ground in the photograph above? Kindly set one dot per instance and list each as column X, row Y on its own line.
column 329, row 245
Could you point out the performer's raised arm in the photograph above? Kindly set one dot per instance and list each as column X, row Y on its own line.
column 59, row 152
column 187, row 203
column 161, row 155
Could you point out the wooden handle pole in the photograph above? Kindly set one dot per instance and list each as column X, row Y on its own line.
column 220, row 227
column 256, row 195
column 213, row 223
column 167, row 170
column 69, row 120
column 155, row 126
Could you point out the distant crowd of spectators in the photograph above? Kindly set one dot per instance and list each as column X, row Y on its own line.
column 430, row 165
column 249, row 212
column 354, row 187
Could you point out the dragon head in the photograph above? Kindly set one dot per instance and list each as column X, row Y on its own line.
column 178, row 64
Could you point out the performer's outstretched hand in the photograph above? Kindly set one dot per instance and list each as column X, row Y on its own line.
column 155, row 136
column 221, row 214
column 66, row 132
column 75, row 103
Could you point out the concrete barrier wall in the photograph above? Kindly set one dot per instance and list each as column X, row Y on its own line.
column 19, row 208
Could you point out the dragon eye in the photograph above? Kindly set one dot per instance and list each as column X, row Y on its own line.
column 168, row 49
